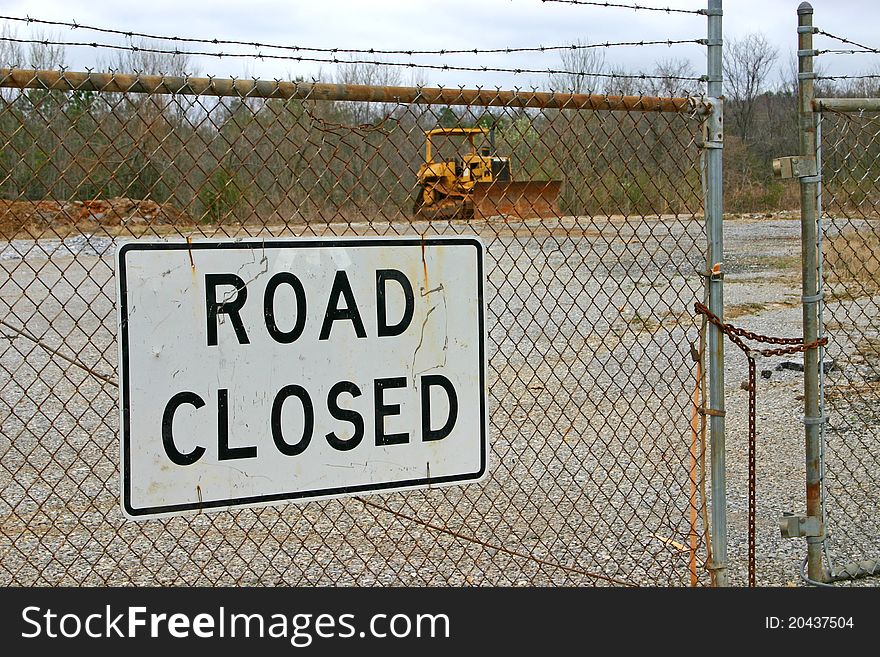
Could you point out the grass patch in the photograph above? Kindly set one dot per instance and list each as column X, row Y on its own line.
column 852, row 260
column 641, row 323
column 786, row 263
column 755, row 308
column 867, row 351
column 852, row 391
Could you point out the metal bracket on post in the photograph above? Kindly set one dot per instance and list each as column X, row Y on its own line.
column 713, row 131
column 792, row 526
column 795, row 166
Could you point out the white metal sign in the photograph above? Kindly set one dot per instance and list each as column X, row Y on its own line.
column 255, row 372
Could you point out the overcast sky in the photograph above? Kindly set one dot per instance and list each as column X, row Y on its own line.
column 421, row 24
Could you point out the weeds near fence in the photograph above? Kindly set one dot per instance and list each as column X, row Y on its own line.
column 852, row 258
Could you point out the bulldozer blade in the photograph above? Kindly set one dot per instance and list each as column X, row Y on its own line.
column 525, row 199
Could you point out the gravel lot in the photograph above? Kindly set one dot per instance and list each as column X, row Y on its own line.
column 589, row 330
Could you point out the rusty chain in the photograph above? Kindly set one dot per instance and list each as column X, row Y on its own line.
column 736, row 335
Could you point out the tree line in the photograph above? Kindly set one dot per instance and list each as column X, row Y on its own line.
column 244, row 159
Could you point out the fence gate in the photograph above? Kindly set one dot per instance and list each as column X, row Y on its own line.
column 596, row 476
column 851, row 318
column 844, row 307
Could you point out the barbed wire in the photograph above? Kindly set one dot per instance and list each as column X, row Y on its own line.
column 377, row 51
column 865, row 49
column 615, row 5
column 849, row 77
column 833, row 51
column 336, row 61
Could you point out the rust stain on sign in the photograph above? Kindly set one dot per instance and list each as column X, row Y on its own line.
column 424, row 261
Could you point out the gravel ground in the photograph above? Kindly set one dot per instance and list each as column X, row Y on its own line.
column 589, row 333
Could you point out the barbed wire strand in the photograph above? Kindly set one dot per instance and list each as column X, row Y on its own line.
column 73, row 25
column 615, row 5
column 865, row 49
column 872, row 76
column 832, row 51
column 337, row 61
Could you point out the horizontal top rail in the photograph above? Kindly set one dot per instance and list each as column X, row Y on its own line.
column 847, row 104
column 253, row 88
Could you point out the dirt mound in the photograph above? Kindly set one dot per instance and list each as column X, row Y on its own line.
column 118, row 211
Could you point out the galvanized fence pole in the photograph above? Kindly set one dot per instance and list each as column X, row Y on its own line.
column 810, row 291
column 713, row 145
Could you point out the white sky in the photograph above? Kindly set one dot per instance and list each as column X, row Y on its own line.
column 423, row 24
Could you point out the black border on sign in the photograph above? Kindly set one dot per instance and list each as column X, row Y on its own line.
column 299, row 243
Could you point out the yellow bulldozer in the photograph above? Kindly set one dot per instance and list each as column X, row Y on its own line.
column 475, row 182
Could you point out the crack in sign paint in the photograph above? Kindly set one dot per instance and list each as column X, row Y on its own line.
column 363, row 466
column 421, row 341
column 240, row 471
column 264, row 262
column 425, row 293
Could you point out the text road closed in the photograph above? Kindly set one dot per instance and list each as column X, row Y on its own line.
column 257, row 372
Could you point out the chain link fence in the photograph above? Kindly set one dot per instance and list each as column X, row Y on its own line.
column 851, row 316
column 597, row 458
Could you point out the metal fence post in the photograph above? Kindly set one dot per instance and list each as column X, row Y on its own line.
column 715, row 340
column 810, row 288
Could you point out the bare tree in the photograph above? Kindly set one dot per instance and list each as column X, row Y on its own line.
column 366, row 72
column 748, row 63
column 584, row 70
column 788, row 78
column 667, row 78
column 863, row 85
column 142, row 59
column 10, row 51
column 622, row 82
column 47, row 55
column 42, row 53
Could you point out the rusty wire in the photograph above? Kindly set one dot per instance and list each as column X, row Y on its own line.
column 862, row 48
column 499, row 548
column 589, row 387
column 635, row 7
column 336, row 60
column 737, row 336
column 130, row 34
column 325, row 125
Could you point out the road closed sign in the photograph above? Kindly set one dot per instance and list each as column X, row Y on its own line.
column 259, row 372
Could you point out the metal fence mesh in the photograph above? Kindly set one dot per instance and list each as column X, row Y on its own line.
column 589, row 336
column 851, row 261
